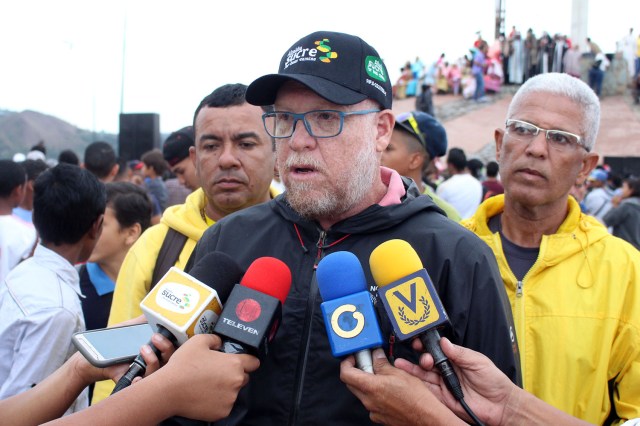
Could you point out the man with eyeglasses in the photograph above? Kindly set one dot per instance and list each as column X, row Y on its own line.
column 331, row 121
column 574, row 288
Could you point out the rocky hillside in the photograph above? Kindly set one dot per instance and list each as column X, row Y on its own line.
column 19, row 131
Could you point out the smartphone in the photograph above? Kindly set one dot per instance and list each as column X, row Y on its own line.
column 108, row 346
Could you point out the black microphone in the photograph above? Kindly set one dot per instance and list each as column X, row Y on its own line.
column 182, row 305
column 252, row 313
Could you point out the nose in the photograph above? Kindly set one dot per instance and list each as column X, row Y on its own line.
column 228, row 157
column 301, row 138
column 538, row 146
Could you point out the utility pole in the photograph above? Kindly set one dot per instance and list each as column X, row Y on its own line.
column 579, row 23
column 500, row 12
column 124, row 52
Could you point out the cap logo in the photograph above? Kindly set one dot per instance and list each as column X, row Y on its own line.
column 375, row 69
column 326, row 49
column 300, row 53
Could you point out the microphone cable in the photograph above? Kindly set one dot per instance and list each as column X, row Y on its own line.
column 138, row 367
column 431, row 340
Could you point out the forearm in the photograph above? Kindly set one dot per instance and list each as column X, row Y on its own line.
column 524, row 409
column 147, row 402
column 49, row 399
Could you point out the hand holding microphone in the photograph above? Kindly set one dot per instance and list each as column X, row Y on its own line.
column 182, row 305
column 252, row 313
column 413, row 305
column 352, row 325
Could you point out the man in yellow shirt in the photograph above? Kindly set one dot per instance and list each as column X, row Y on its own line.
column 234, row 163
column 574, row 288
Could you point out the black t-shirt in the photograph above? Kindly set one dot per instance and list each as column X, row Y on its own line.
column 520, row 259
column 94, row 307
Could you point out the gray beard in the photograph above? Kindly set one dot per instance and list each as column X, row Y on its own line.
column 350, row 187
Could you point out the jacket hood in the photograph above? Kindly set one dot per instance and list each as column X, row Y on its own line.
column 374, row 217
column 577, row 233
column 632, row 201
column 187, row 218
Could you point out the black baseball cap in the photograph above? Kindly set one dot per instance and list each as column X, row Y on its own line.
column 176, row 147
column 426, row 129
column 339, row 67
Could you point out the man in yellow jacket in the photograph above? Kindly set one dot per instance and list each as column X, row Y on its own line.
column 234, row 165
column 574, row 288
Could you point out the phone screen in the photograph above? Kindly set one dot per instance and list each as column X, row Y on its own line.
column 108, row 346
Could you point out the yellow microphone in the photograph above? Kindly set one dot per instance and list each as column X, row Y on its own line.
column 411, row 302
column 406, row 290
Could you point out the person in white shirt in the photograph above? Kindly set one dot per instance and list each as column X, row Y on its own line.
column 17, row 237
column 39, row 299
column 461, row 190
column 597, row 202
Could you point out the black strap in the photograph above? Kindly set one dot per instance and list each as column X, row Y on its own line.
column 168, row 256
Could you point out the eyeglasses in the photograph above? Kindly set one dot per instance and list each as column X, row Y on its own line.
column 556, row 139
column 321, row 123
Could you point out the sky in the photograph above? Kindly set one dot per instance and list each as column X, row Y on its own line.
column 65, row 58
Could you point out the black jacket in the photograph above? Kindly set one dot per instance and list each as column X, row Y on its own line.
column 299, row 383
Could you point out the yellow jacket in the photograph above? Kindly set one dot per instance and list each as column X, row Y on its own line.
column 577, row 315
column 134, row 279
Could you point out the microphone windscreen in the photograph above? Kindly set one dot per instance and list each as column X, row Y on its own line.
column 270, row 276
column 393, row 260
column 219, row 271
column 340, row 274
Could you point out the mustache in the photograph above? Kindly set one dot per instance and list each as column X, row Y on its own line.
column 297, row 159
column 229, row 175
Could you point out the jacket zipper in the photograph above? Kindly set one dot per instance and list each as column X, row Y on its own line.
column 301, row 368
column 520, row 325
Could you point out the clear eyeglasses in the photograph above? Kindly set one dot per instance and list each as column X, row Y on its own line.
column 321, row 123
column 556, row 139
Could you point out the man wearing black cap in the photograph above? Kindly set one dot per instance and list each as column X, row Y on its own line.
column 417, row 140
column 176, row 153
column 331, row 119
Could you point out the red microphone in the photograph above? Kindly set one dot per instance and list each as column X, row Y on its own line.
column 253, row 311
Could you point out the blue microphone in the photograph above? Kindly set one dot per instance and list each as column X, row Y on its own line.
column 352, row 325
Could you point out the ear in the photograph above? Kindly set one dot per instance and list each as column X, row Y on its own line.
column 132, row 232
column 17, row 195
column 499, row 136
column 96, row 228
column 589, row 162
column 192, row 155
column 416, row 160
column 114, row 171
column 386, row 120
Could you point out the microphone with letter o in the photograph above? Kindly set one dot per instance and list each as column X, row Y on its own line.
column 349, row 316
column 252, row 314
column 182, row 305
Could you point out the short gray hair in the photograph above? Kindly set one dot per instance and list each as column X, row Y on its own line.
column 570, row 87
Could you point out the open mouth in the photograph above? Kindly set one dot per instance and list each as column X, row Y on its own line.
column 303, row 170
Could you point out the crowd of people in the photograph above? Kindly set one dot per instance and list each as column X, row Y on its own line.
column 513, row 59
column 541, row 298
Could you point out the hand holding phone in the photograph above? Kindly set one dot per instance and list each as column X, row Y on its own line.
column 108, row 346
